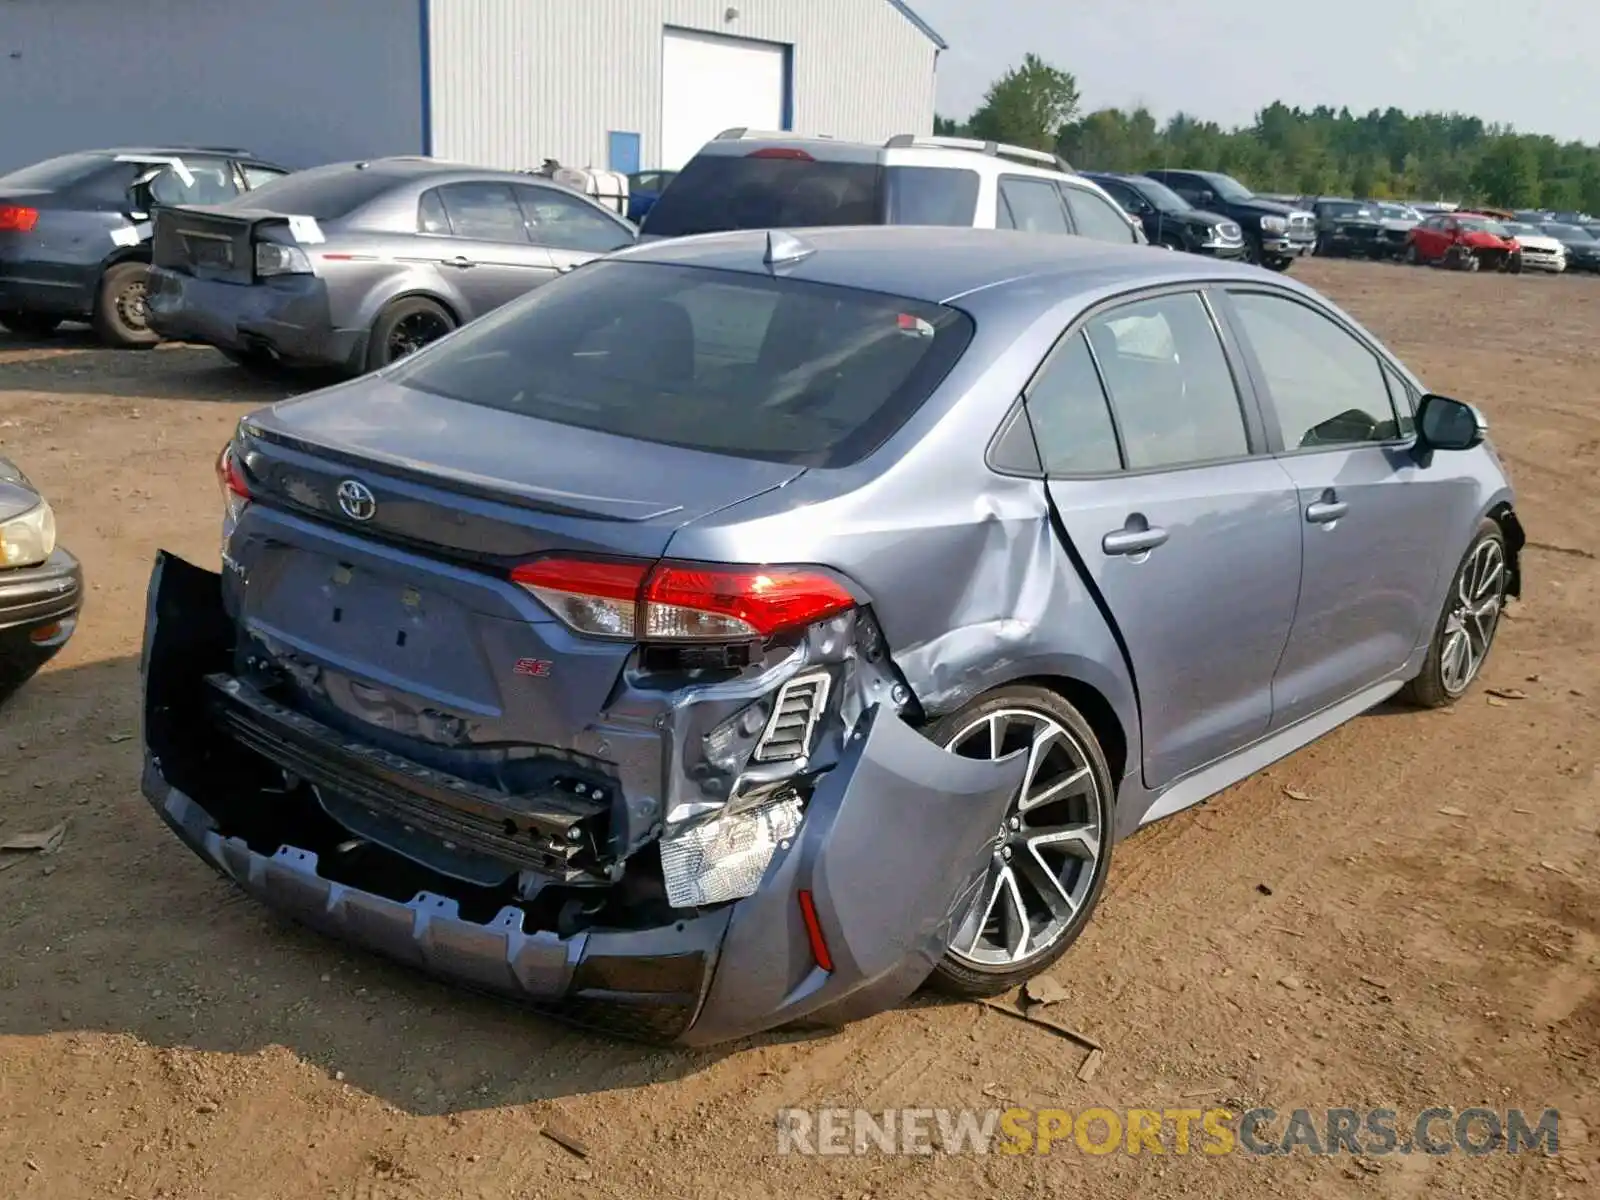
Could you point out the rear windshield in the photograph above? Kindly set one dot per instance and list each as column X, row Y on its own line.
column 721, row 361
column 718, row 192
column 57, row 172
column 325, row 195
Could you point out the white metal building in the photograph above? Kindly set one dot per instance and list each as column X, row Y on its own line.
column 626, row 84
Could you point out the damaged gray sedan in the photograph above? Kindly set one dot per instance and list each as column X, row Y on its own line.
column 754, row 628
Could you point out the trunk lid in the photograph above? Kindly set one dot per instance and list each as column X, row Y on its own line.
column 209, row 242
column 482, row 485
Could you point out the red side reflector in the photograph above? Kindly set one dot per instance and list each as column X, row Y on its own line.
column 819, row 944
column 781, row 152
column 45, row 633
column 14, row 219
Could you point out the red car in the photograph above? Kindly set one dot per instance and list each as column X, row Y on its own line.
column 1464, row 241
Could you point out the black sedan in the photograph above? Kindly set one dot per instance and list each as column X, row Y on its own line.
column 1583, row 245
column 1168, row 219
column 41, row 584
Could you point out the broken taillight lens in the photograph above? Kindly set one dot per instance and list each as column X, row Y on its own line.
column 230, row 478
column 682, row 602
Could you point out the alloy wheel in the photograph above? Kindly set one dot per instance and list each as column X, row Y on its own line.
column 1047, row 850
column 1474, row 616
column 414, row 331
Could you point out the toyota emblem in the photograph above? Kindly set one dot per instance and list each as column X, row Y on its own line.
column 357, row 500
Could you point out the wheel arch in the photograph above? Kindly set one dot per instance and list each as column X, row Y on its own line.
column 1505, row 516
column 1097, row 710
column 417, row 293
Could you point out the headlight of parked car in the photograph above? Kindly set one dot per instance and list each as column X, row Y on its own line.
column 1275, row 224
column 275, row 259
column 28, row 540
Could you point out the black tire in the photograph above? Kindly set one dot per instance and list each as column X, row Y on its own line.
column 1075, row 748
column 119, row 311
column 1279, row 264
column 1170, row 241
column 1434, row 687
column 1514, row 264
column 414, row 319
column 27, row 324
column 1411, row 258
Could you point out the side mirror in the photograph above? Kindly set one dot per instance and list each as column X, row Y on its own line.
column 1446, row 424
column 1204, row 198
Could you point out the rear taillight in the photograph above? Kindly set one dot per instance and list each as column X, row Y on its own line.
column 781, row 152
column 14, row 219
column 230, row 478
column 682, row 602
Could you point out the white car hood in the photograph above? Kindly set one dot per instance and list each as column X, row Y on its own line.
column 1541, row 243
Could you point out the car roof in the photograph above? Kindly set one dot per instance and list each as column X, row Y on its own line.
column 941, row 263
column 404, row 168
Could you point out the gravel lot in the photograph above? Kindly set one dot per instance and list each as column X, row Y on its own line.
column 1431, row 936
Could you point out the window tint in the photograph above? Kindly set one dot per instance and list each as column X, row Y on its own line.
column 1095, row 218
column 485, row 211
column 1169, row 383
column 255, row 176
column 203, row 181
column 1032, row 205
column 565, row 222
column 717, row 192
column 748, row 365
column 1124, row 195
column 1405, row 402
column 931, row 196
column 326, row 193
column 1071, row 422
column 431, row 217
column 1326, row 387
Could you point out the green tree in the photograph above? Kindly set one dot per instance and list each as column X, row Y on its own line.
column 1507, row 173
column 1027, row 106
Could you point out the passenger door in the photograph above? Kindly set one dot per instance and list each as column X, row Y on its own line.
column 1030, row 204
column 1095, row 218
column 570, row 230
column 1191, row 537
column 487, row 253
column 1375, row 523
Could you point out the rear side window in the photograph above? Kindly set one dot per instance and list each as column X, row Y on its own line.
column 1067, row 408
column 764, row 190
column 1097, row 218
column 327, row 195
column 931, row 196
column 202, row 181
column 744, row 365
column 1169, row 382
column 1031, row 205
column 484, row 211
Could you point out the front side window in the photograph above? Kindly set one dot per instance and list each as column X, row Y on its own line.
column 1031, row 205
column 1097, row 218
column 747, row 365
column 1325, row 387
column 564, row 222
column 931, row 196
column 484, row 211
column 1169, row 382
column 1071, row 421
column 199, row 181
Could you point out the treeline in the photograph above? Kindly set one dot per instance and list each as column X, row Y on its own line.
column 1432, row 156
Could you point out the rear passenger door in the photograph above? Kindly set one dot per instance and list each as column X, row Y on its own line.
column 1190, row 532
column 1376, row 525
column 480, row 241
column 1030, row 204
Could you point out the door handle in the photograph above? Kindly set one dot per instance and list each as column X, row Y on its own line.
column 1133, row 541
column 460, row 260
column 1326, row 510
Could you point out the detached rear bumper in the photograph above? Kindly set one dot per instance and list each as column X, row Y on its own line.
column 890, row 848
column 286, row 319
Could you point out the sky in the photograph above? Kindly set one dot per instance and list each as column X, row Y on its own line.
column 1533, row 64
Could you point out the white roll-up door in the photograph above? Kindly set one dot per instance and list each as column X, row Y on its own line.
column 711, row 83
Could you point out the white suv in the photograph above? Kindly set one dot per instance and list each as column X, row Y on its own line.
column 748, row 180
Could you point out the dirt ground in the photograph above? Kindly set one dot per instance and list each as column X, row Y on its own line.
column 1406, row 914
